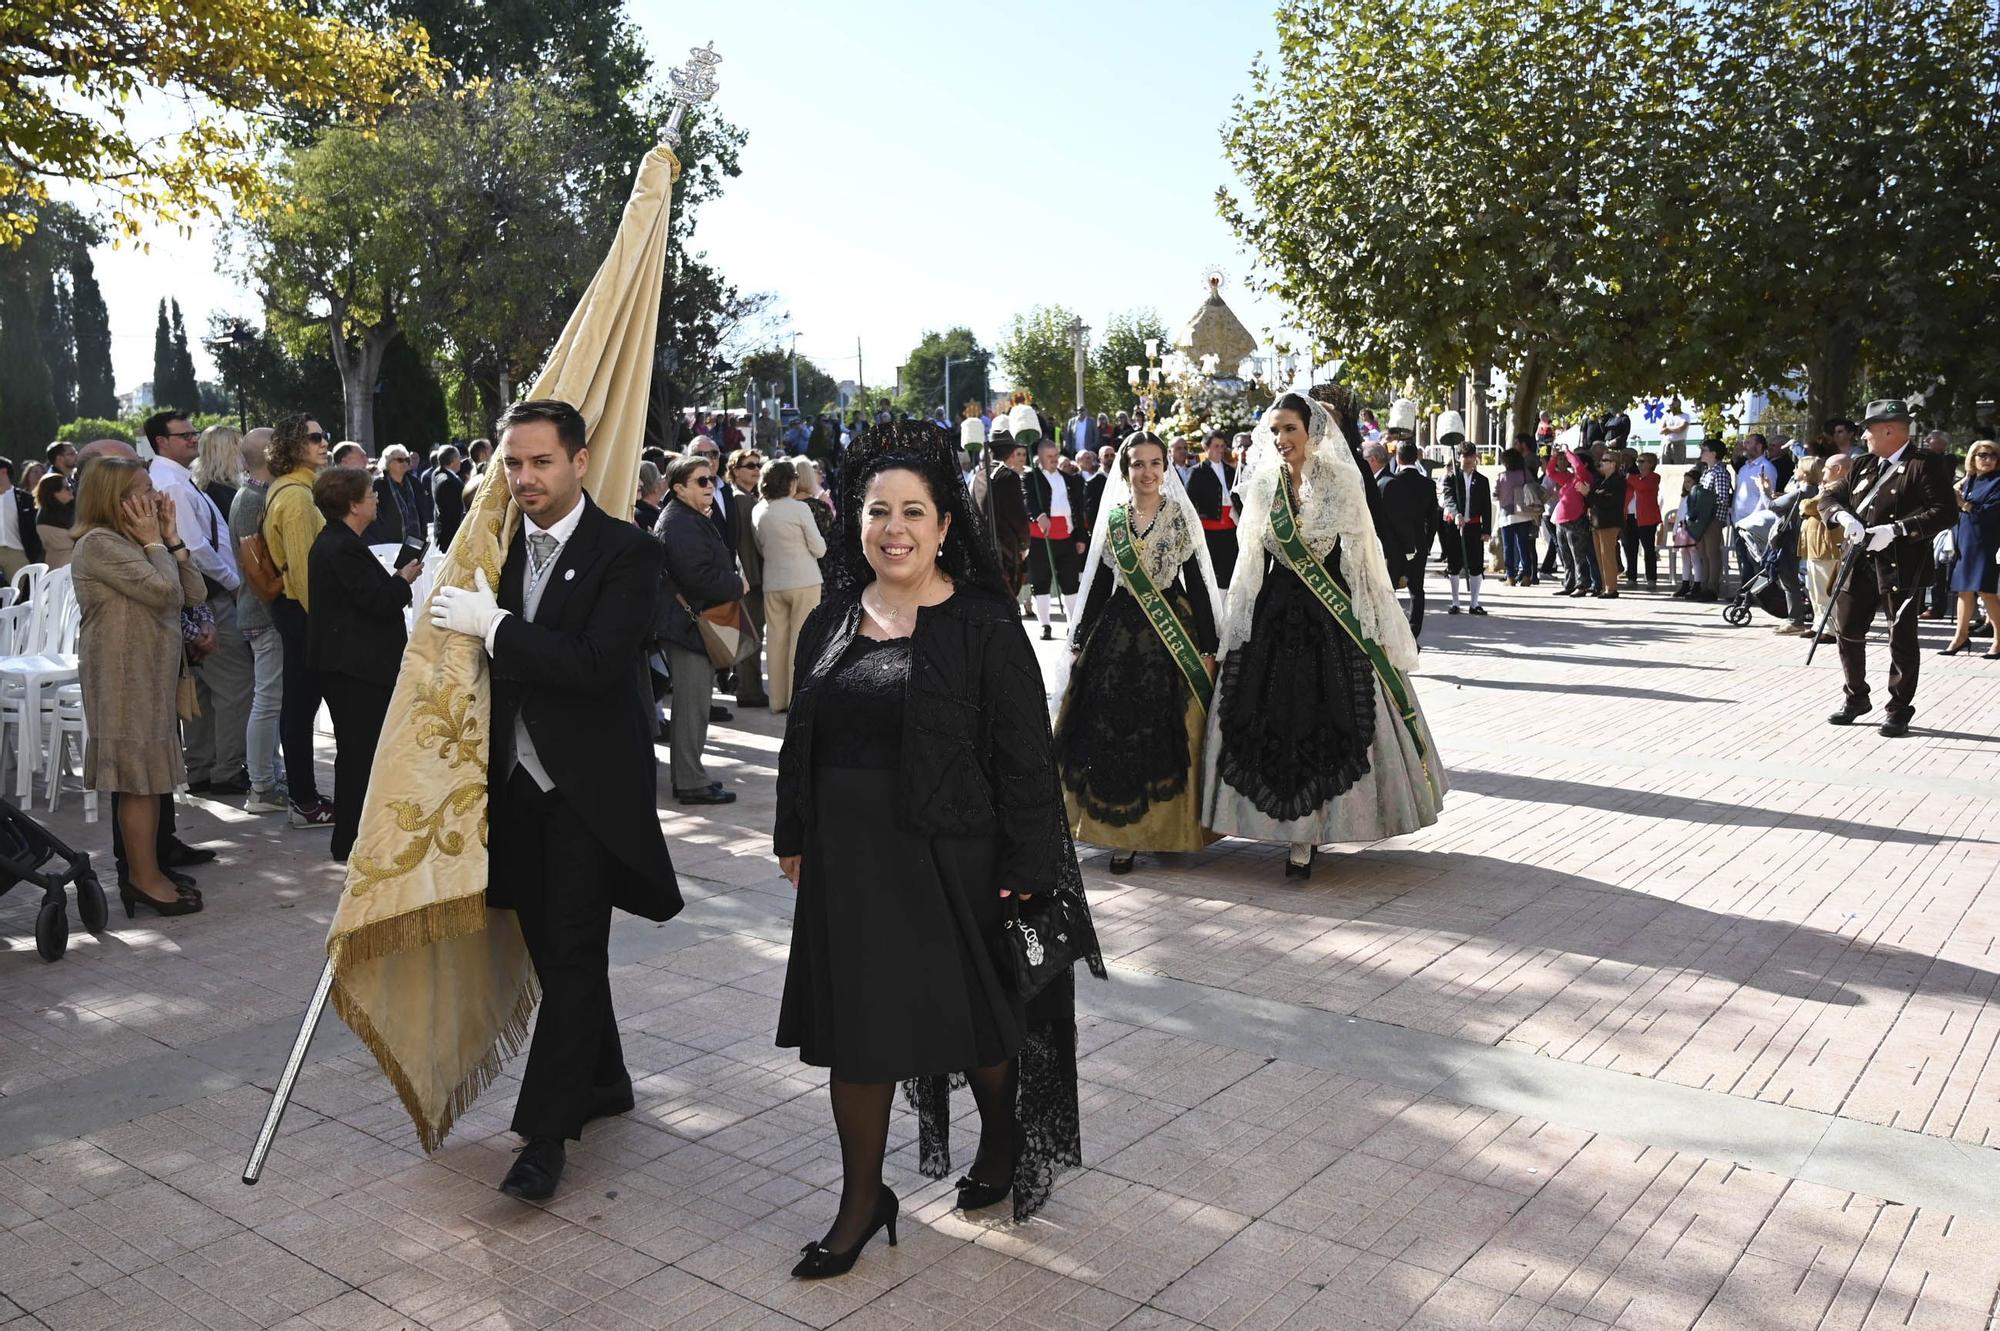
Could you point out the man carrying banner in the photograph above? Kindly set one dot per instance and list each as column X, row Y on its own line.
column 570, row 775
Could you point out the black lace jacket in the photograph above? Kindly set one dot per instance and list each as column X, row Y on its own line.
column 977, row 758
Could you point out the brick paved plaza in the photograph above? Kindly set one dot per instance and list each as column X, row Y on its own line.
column 1682, row 1017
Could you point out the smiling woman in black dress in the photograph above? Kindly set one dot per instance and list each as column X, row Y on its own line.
column 916, row 792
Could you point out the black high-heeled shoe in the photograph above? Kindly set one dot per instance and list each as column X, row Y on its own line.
column 1955, row 648
column 1123, row 863
column 974, row 1195
column 821, row 1261
column 132, row 899
column 1293, row 869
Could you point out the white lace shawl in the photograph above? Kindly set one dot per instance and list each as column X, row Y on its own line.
column 1332, row 506
column 1176, row 535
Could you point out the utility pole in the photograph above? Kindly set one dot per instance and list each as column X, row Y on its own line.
column 795, row 376
column 1079, row 341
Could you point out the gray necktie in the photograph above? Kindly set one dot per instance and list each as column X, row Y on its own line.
column 541, row 549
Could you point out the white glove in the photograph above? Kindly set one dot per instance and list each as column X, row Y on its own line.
column 1879, row 538
column 1851, row 525
column 468, row 610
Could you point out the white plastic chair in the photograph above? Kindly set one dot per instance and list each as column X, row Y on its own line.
column 64, row 719
column 24, row 583
column 47, row 657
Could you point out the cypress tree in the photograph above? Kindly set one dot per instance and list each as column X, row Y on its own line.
column 96, row 391
column 58, row 338
column 163, row 361
column 29, row 421
column 187, row 392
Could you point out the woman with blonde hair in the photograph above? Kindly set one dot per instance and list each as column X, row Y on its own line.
column 218, row 465
column 818, row 502
column 132, row 578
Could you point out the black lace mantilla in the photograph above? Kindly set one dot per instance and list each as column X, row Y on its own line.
column 1297, row 705
column 1051, row 1136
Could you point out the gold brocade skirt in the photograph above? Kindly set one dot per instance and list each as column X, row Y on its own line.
column 1166, row 825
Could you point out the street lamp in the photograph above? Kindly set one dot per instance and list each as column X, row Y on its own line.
column 1079, row 342
column 795, row 376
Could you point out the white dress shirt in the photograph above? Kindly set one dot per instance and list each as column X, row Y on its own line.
column 1749, row 497
column 1058, row 495
column 532, row 586
column 10, row 521
column 203, row 527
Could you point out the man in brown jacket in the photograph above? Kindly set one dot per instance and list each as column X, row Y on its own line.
column 1894, row 499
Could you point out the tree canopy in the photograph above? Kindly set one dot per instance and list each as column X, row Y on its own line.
column 460, row 223
column 1608, row 198
column 73, row 76
column 923, row 379
column 1037, row 355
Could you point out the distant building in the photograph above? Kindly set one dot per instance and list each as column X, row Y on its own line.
column 138, row 400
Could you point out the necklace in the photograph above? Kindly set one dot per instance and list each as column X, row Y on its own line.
column 891, row 619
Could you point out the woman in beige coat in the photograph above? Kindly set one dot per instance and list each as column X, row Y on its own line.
column 132, row 578
column 791, row 546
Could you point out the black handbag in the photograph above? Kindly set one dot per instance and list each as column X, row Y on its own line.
column 1045, row 934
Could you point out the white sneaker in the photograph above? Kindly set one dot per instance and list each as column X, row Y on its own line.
column 264, row 801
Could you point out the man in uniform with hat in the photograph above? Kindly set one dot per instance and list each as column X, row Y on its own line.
column 1893, row 500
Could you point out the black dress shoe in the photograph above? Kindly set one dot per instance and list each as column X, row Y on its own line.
column 715, row 794
column 1477, row 610
column 1451, row 610
column 200, row 787
column 180, row 855
column 1123, row 861
column 1293, row 869
column 1048, row 633
column 1848, row 714
column 536, row 1171
column 238, row 784
column 716, row 714
column 759, row 701
column 1894, row 727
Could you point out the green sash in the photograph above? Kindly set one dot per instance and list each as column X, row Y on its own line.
column 1314, row 575
column 1159, row 614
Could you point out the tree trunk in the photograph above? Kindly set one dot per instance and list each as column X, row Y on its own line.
column 1532, row 377
column 360, row 366
column 1830, row 377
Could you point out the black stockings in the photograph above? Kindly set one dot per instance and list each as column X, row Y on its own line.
column 993, row 1089
column 861, row 1115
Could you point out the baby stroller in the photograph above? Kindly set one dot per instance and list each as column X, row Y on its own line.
column 1765, row 533
column 25, row 848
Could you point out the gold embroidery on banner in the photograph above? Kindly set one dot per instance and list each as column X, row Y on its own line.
column 445, row 720
column 410, row 817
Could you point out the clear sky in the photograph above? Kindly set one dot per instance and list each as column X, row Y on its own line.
column 914, row 166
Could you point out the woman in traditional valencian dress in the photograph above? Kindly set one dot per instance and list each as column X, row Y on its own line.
column 1315, row 734
column 1135, row 710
